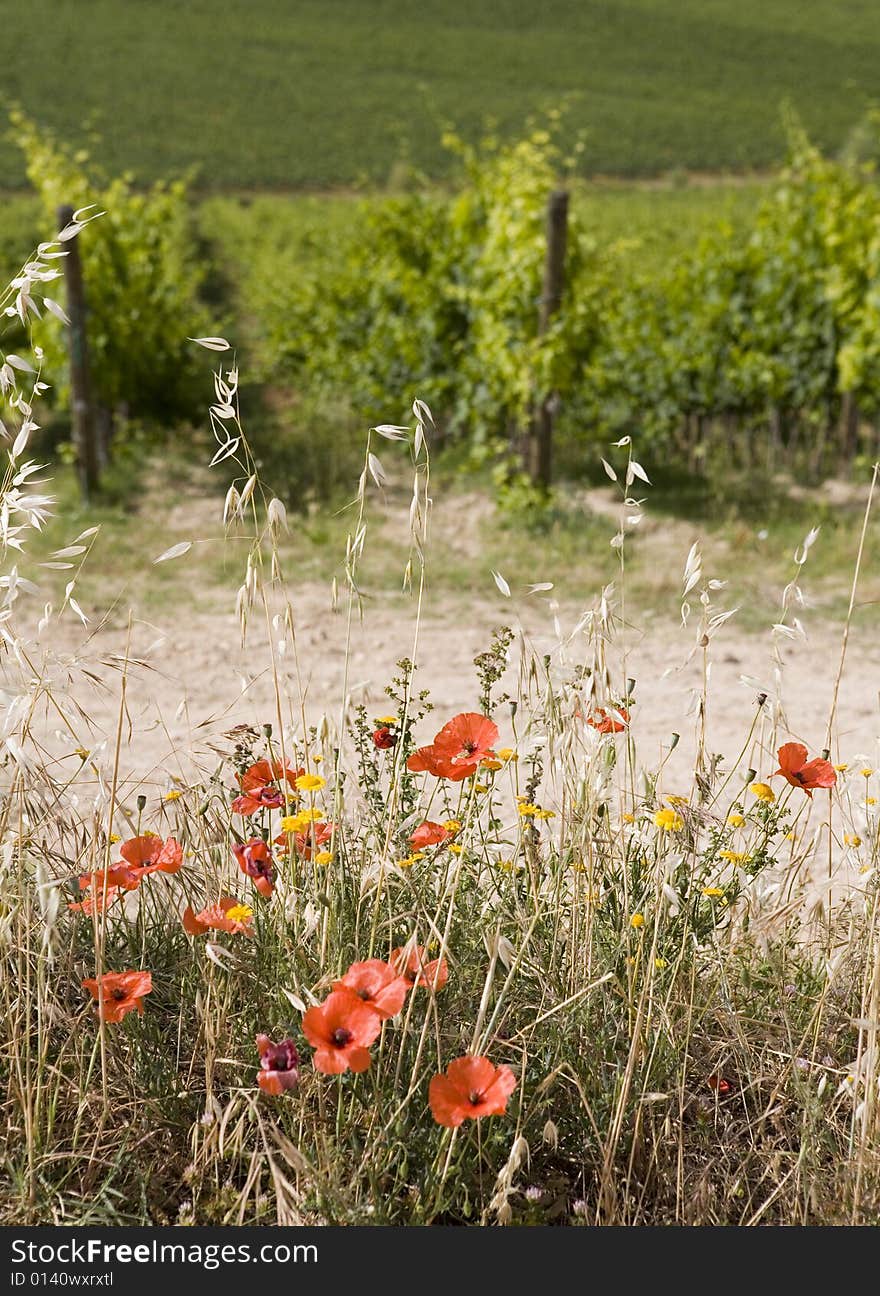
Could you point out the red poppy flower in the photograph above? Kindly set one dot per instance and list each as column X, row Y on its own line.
column 217, row 916
column 804, row 774
column 123, row 992
column 118, row 875
column 608, row 720
column 472, row 1087
column 417, row 970
column 150, row 854
column 719, row 1084
column 377, row 984
column 97, row 901
column 384, row 737
column 279, row 1065
column 458, row 748
column 341, row 1030
column 317, row 835
column 256, row 862
column 259, row 785
column 429, row 834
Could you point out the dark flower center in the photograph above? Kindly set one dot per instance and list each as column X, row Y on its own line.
column 470, row 747
column 475, row 1098
column 340, row 1037
column 118, row 993
column 363, row 994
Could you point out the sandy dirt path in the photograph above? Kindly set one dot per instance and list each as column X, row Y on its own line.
column 198, row 683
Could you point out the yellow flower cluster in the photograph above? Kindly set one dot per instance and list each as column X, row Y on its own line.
column 300, row 822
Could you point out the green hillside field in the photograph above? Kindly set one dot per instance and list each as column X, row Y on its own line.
column 317, row 93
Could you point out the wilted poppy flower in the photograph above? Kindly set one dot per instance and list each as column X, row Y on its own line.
column 150, row 854
column 418, row 970
column 719, row 1084
column 279, row 1065
column 122, row 991
column 341, row 1030
column 228, row 915
column 255, row 861
column 430, row 834
column 384, row 737
column 259, row 786
column 458, row 748
column 472, row 1087
column 804, row 774
column 377, row 984
column 608, row 720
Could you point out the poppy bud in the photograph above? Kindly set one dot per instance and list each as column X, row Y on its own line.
column 751, row 775
column 826, row 753
column 267, row 730
column 630, row 687
column 676, row 739
column 141, row 803
column 761, row 699
column 512, row 709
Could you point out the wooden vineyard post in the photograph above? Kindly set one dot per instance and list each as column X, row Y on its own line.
column 82, row 412
column 539, row 447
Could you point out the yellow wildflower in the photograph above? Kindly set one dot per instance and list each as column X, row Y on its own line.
column 545, row 814
column 323, row 857
column 866, row 772
column 841, row 769
column 489, row 764
column 481, row 787
column 507, row 754
column 660, row 964
column 386, row 720
column 173, row 795
column 452, row 826
column 735, row 857
column 669, row 820
column 409, row 860
column 627, row 817
column 852, row 839
column 714, row 892
column 82, row 752
column 735, row 821
column 637, row 920
column 240, row 913
column 526, row 809
column 870, row 801
column 456, row 850
column 764, row 792
column 310, row 782
column 114, row 838
column 676, row 800
column 316, row 759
